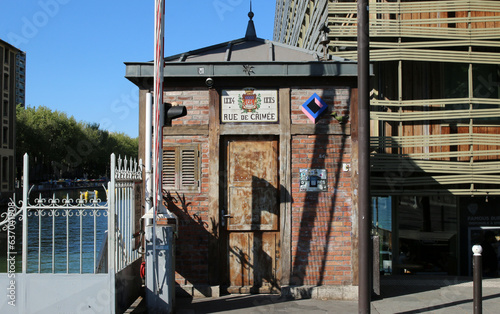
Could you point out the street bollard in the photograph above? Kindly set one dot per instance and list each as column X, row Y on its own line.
column 477, row 273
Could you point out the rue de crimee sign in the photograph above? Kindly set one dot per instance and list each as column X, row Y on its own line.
column 249, row 105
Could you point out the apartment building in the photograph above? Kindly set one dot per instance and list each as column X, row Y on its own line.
column 435, row 120
column 12, row 84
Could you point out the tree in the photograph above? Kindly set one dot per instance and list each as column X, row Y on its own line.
column 59, row 146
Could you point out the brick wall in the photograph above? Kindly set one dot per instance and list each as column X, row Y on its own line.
column 337, row 99
column 196, row 102
column 321, row 221
column 191, row 210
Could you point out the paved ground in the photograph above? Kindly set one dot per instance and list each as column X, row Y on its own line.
column 399, row 295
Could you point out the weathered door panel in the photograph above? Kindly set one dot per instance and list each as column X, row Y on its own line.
column 251, row 215
column 252, row 208
column 241, row 258
column 252, row 185
column 254, row 261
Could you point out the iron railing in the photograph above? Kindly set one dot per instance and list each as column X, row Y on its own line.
column 67, row 235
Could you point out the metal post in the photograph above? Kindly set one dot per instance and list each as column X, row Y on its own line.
column 364, row 218
column 25, row 212
column 149, row 140
column 477, row 275
column 158, row 100
column 112, row 231
column 158, row 126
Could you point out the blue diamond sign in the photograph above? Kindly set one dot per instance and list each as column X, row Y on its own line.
column 314, row 107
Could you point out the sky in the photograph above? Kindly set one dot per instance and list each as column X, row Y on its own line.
column 75, row 49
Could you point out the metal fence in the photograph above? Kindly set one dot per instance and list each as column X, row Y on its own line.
column 72, row 236
column 64, row 234
column 128, row 176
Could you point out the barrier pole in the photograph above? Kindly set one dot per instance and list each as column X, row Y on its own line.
column 477, row 277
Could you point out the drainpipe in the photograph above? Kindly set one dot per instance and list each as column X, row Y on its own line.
column 364, row 217
column 149, row 134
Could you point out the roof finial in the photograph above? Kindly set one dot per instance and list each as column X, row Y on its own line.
column 251, row 33
column 250, row 14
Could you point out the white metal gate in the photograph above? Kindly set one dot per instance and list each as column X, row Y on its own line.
column 69, row 253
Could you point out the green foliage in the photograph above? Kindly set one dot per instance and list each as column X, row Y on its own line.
column 61, row 147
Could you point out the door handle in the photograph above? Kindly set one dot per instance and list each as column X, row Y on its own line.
column 223, row 222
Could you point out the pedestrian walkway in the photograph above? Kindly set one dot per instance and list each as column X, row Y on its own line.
column 403, row 295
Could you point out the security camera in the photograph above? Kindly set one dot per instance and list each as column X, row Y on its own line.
column 209, row 82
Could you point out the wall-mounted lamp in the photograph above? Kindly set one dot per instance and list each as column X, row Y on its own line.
column 210, row 82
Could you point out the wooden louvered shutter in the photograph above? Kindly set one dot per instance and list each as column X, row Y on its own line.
column 169, row 168
column 181, row 168
column 188, row 165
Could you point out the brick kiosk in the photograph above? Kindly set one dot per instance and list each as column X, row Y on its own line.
column 265, row 197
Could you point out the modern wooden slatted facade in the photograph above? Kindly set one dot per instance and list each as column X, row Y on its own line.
column 435, row 115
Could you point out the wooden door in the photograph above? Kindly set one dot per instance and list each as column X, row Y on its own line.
column 251, row 215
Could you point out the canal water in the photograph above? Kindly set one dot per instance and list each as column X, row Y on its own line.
column 59, row 241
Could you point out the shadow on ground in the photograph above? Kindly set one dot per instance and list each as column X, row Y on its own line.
column 228, row 303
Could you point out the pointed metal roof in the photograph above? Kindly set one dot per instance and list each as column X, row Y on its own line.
column 250, row 49
column 265, row 57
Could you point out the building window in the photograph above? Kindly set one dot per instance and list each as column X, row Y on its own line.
column 5, row 81
column 485, row 81
column 5, row 169
column 181, row 168
column 5, row 108
column 6, row 56
column 5, row 135
column 10, row 175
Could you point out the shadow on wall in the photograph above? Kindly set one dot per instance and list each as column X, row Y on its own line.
column 254, row 239
column 256, row 262
column 309, row 265
column 191, row 249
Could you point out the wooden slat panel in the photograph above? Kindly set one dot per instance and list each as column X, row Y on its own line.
column 428, row 55
column 440, row 180
column 436, row 191
column 399, row 163
column 434, row 102
column 435, row 115
column 434, row 31
column 438, row 140
column 448, row 22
